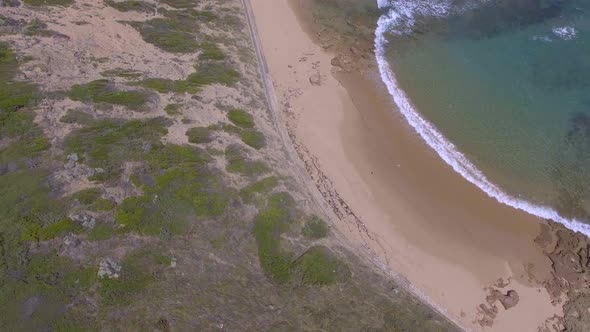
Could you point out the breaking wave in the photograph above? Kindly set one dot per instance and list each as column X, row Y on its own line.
column 399, row 18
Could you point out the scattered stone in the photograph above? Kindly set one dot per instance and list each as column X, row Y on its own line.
column 315, row 79
column 500, row 283
column 87, row 221
column 336, row 62
column 70, row 241
column 108, row 268
column 486, row 315
column 72, row 158
column 510, row 299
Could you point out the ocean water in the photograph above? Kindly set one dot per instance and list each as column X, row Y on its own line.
column 501, row 90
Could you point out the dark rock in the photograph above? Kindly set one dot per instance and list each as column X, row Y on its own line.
column 510, row 299
column 336, row 62
column 315, row 79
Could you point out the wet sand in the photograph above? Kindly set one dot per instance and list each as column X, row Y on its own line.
column 424, row 222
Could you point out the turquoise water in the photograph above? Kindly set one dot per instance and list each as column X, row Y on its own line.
column 501, row 89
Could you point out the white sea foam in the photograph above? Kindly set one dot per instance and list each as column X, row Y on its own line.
column 565, row 33
column 545, row 39
column 399, row 19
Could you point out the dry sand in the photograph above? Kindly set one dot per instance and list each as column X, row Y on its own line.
column 392, row 196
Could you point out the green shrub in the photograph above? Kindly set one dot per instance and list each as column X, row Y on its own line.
column 38, row 28
column 124, row 73
column 87, row 196
column 101, row 232
column 180, row 3
column 237, row 162
column 210, row 51
column 43, row 233
column 319, row 267
column 108, row 144
column 104, row 91
column 169, row 34
column 204, row 75
column 92, row 198
column 179, row 196
column 77, row 116
column 56, row 280
column 132, row 5
column 212, row 73
column 240, row 118
column 15, row 99
column 102, row 204
column 253, row 138
column 181, row 188
column 63, row 3
column 173, row 109
column 263, row 186
column 161, row 85
column 27, row 212
column 21, row 151
column 199, row 135
column 135, row 277
column 161, row 259
column 219, row 242
column 231, row 129
column 268, row 226
column 315, row 228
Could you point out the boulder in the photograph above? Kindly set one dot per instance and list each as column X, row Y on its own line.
column 108, row 268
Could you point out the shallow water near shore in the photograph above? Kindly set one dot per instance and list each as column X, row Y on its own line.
column 499, row 89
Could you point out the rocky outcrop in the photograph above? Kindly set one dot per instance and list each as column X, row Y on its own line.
column 570, row 261
column 108, row 268
column 508, row 300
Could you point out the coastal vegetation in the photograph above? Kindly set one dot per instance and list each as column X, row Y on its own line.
column 63, row 3
column 240, row 118
column 205, row 74
column 315, row 228
column 104, row 91
column 132, row 5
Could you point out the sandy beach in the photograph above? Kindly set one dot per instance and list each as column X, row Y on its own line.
column 392, row 196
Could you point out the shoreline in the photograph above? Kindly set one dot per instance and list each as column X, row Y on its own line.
column 423, row 220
